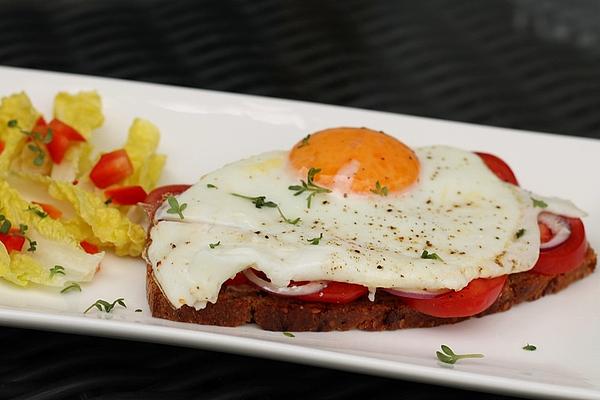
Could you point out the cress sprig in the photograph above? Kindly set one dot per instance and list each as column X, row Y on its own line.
column 430, row 256
column 176, row 208
column 57, row 270
column 261, row 201
column 105, row 306
column 449, row 357
column 37, row 141
column 258, row 201
column 315, row 241
column 309, row 186
column 380, row 190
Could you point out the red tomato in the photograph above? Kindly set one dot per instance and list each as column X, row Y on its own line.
column 545, row 232
column 239, row 279
column 62, row 136
column 2, row 145
column 112, row 168
column 62, row 129
column 473, row 299
column 58, row 147
column 336, row 292
column 126, row 195
column 89, row 247
column 567, row 255
column 12, row 242
column 49, row 209
column 156, row 197
column 499, row 167
column 40, row 126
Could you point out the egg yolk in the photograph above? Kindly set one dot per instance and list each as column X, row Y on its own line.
column 358, row 160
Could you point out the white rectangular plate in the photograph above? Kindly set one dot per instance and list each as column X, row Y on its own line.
column 203, row 130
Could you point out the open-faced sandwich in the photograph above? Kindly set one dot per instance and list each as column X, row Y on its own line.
column 352, row 229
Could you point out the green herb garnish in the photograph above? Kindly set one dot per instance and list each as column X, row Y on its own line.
column 105, row 306
column 211, row 186
column 176, row 208
column 22, row 229
column 430, row 256
column 5, row 225
column 309, row 186
column 304, row 141
column 259, row 201
column 449, row 357
column 72, row 286
column 316, row 240
column 32, row 245
column 529, row 347
column 288, row 334
column 37, row 139
column 520, row 233
column 289, row 221
column 57, row 270
column 380, row 190
column 539, row 203
column 37, row 211
column 213, row 245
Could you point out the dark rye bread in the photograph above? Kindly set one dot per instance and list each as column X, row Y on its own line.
column 239, row 305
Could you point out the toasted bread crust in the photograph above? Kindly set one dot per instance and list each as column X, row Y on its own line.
column 239, row 305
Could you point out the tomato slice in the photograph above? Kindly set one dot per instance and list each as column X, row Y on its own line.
column 499, row 167
column 545, row 232
column 2, row 145
column 239, row 279
column 112, row 168
column 12, row 242
column 126, row 195
column 49, row 209
column 336, row 292
column 156, row 197
column 89, row 247
column 567, row 255
column 476, row 297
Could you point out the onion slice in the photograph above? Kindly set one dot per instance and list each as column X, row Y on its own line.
column 301, row 290
column 421, row 294
column 558, row 225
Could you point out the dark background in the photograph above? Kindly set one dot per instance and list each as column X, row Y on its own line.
column 521, row 64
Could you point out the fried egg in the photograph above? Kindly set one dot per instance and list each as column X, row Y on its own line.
column 348, row 205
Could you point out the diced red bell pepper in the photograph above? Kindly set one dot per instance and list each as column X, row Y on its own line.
column 62, row 136
column 49, row 209
column 12, row 242
column 89, row 247
column 2, row 145
column 112, row 168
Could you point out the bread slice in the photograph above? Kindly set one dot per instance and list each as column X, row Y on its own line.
column 245, row 304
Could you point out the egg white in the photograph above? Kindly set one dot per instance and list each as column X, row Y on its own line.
column 458, row 210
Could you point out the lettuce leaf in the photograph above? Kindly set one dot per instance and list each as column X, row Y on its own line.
column 141, row 146
column 18, row 210
column 81, row 111
column 17, row 107
column 109, row 226
column 20, row 269
column 56, row 245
